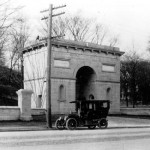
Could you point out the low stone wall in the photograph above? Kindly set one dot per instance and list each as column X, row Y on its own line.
column 38, row 111
column 13, row 113
column 9, row 113
column 38, row 114
column 135, row 111
column 23, row 111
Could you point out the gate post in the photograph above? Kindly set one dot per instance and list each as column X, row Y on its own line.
column 24, row 102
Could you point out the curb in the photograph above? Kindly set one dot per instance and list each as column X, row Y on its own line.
column 18, row 129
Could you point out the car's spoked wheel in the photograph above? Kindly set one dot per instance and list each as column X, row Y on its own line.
column 92, row 126
column 71, row 124
column 103, row 123
column 59, row 124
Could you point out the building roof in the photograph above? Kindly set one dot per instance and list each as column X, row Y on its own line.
column 77, row 45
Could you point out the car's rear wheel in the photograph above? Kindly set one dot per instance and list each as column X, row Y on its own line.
column 92, row 126
column 71, row 124
column 59, row 124
column 103, row 123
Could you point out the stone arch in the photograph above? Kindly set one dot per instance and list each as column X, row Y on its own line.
column 91, row 97
column 83, row 65
column 85, row 82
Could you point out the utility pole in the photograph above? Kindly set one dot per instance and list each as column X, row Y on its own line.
column 22, row 70
column 49, row 62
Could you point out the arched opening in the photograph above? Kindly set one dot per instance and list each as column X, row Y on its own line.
column 61, row 98
column 61, row 93
column 85, row 83
column 91, row 97
column 108, row 93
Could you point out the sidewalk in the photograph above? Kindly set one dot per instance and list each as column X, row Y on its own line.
column 113, row 122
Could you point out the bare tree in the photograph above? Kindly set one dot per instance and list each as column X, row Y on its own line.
column 7, row 13
column 59, row 27
column 19, row 37
column 79, row 28
column 99, row 34
column 73, row 27
column 2, row 57
column 113, row 40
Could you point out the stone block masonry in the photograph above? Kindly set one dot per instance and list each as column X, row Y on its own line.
column 24, row 102
column 78, row 71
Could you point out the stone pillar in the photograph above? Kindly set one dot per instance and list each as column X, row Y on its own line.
column 24, row 103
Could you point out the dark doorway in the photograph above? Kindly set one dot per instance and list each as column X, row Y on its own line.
column 85, row 78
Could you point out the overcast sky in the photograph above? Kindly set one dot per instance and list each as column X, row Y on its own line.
column 130, row 19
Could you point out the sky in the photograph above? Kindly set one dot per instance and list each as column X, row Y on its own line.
column 129, row 19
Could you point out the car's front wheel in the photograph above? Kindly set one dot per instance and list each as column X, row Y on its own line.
column 71, row 124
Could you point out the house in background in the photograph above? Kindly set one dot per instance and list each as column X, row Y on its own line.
column 78, row 71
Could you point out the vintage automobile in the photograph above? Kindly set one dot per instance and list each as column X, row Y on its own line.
column 90, row 113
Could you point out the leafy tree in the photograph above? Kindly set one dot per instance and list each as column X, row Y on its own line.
column 129, row 70
column 143, row 81
column 135, row 80
column 8, row 87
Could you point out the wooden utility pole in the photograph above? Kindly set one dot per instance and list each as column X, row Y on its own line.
column 22, row 70
column 49, row 57
column 49, row 62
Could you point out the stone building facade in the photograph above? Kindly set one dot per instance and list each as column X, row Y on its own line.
column 78, row 71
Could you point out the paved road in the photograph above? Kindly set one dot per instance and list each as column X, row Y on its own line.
column 82, row 139
column 113, row 122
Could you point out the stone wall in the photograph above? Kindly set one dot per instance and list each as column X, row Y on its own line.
column 68, row 57
column 24, row 103
column 9, row 113
column 67, row 76
column 62, row 105
column 38, row 111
